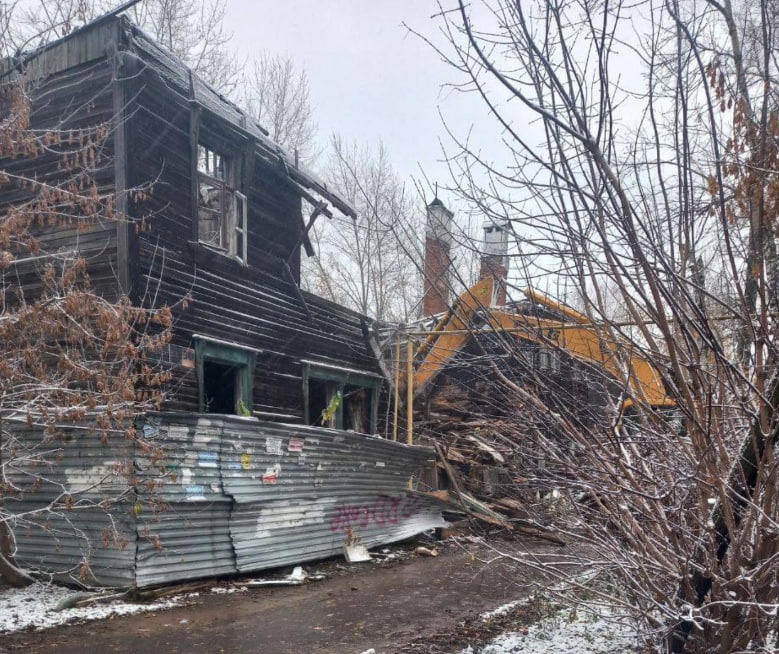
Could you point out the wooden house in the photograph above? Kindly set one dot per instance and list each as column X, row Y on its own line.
column 489, row 374
column 214, row 215
column 249, row 469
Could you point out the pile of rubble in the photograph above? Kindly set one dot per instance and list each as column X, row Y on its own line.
column 483, row 468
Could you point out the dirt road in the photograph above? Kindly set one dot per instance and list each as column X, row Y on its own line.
column 386, row 607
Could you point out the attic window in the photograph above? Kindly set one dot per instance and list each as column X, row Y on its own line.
column 222, row 211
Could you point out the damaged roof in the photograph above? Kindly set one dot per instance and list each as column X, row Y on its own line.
column 116, row 37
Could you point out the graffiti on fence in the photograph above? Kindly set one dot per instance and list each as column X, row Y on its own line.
column 377, row 513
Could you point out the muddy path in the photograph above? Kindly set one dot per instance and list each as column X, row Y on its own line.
column 391, row 607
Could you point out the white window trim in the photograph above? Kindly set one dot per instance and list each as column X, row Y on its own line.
column 234, row 215
column 240, row 228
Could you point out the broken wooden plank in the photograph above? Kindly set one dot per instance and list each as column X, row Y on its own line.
column 484, row 446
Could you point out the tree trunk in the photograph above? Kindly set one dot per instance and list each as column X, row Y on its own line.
column 9, row 573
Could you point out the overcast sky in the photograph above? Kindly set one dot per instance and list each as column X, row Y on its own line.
column 370, row 79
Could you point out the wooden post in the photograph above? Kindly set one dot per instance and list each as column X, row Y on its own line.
column 397, row 387
column 410, row 392
column 123, row 235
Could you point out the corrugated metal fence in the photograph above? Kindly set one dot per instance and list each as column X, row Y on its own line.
column 199, row 496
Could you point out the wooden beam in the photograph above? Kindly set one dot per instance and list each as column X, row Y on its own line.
column 194, row 138
column 296, row 290
column 123, row 255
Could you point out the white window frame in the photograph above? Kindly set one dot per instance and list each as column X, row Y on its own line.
column 232, row 216
column 240, row 229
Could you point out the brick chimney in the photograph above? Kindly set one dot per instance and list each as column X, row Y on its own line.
column 494, row 258
column 438, row 242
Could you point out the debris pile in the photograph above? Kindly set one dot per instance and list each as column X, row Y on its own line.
column 483, row 467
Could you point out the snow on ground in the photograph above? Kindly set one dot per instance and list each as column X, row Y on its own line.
column 33, row 607
column 565, row 633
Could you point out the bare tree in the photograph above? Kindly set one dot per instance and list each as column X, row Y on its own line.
column 640, row 163
column 371, row 264
column 277, row 95
column 69, row 352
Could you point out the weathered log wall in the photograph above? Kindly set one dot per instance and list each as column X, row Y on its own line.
column 256, row 306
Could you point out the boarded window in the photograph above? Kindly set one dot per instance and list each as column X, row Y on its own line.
column 547, row 360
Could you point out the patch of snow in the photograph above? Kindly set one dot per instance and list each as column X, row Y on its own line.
column 228, row 590
column 502, row 610
column 33, row 607
column 564, row 633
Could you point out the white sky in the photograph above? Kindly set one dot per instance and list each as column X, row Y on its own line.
column 370, row 79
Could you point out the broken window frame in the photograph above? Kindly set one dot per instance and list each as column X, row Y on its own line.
column 243, row 359
column 339, row 380
column 547, row 360
column 220, row 201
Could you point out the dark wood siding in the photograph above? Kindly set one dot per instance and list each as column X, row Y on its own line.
column 160, row 155
column 213, row 295
column 159, row 161
column 67, row 101
column 254, row 306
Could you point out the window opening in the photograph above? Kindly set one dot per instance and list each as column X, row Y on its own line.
column 356, row 401
column 225, row 374
column 222, row 210
column 340, row 399
column 221, row 387
column 317, row 403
